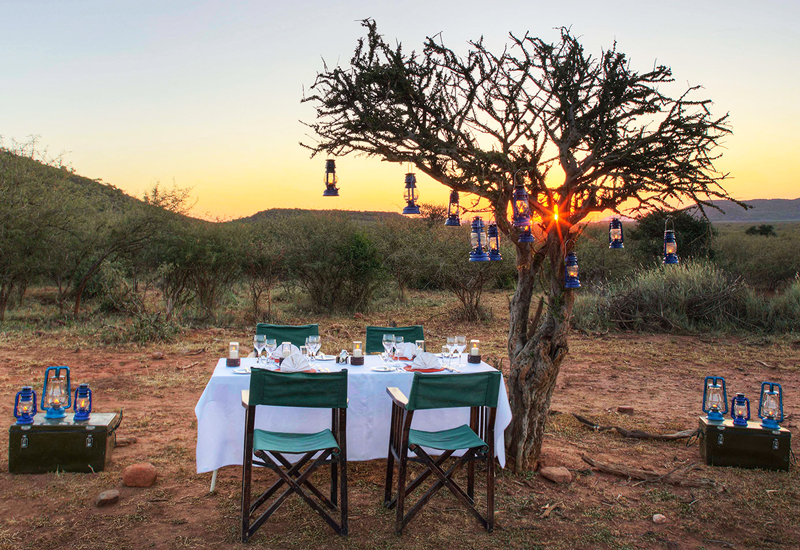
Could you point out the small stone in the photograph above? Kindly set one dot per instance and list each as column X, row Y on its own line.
column 107, row 498
column 77, row 350
column 142, row 474
column 625, row 409
column 659, row 518
column 358, row 316
column 556, row 474
column 124, row 441
column 157, row 355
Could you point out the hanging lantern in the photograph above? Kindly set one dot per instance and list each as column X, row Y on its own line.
column 740, row 410
column 615, row 238
column 411, row 195
column 521, row 207
column 770, row 405
column 525, row 235
column 330, row 179
column 83, row 402
column 56, row 396
column 715, row 397
column 453, row 211
column 571, row 279
column 494, row 242
column 479, row 241
column 670, row 245
column 25, row 405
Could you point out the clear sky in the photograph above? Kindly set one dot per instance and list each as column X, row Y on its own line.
column 207, row 94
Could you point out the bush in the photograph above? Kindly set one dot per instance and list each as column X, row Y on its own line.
column 785, row 309
column 144, row 328
column 764, row 263
column 693, row 296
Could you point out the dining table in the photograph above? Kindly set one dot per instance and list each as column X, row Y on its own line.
column 221, row 415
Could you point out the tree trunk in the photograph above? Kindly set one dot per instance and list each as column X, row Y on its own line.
column 536, row 351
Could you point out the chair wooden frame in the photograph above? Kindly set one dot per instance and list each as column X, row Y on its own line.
column 294, row 477
column 482, row 421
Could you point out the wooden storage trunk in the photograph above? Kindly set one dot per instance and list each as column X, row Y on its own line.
column 752, row 446
column 62, row 444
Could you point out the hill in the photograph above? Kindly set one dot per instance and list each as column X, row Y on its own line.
column 763, row 210
column 355, row 215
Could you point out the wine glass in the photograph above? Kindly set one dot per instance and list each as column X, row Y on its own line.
column 451, row 347
column 272, row 344
column 313, row 343
column 388, row 343
column 398, row 346
column 461, row 345
column 259, row 343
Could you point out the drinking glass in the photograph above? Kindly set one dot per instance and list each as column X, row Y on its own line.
column 388, row 343
column 445, row 356
column 451, row 347
column 259, row 343
column 272, row 344
column 398, row 346
column 420, row 344
column 314, row 343
column 461, row 345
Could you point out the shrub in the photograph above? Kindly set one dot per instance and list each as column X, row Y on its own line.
column 763, row 263
column 785, row 308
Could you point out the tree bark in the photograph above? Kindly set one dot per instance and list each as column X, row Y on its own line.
column 535, row 353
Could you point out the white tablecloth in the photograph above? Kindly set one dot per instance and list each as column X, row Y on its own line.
column 220, row 415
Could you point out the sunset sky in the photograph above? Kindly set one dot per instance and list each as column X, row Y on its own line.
column 207, row 94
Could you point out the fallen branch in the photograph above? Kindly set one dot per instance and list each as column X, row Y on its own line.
column 190, row 365
column 196, row 352
column 675, row 477
column 638, row 434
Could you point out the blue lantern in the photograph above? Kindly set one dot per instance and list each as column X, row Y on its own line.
column 494, row 242
column 56, row 397
column 453, row 211
column 715, row 397
column 740, row 410
column 83, row 402
column 770, row 405
column 525, row 235
column 330, row 179
column 670, row 245
column 615, row 238
column 411, row 195
column 25, row 405
column 479, row 241
column 521, row 206
column 571, row 279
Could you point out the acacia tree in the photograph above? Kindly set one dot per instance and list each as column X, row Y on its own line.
column 478, row 123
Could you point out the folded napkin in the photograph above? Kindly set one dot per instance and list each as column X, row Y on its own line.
column 407, row 350
column 425, row 361
column 277, row 353
column 295, row 363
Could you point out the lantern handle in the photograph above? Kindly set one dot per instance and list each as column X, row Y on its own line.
column 667, row 221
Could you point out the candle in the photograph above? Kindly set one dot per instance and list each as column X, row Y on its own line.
column 286, row 349
column 233, row 352
column 473, row 345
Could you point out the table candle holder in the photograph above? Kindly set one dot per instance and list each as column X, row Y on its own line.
column 357, row 359
column 233, row 359
column 474, row 355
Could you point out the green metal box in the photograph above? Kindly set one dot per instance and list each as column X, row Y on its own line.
column 62, row 444
column 748, row 446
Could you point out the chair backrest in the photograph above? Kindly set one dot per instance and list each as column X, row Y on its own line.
column 299, row 389
column 296, row 334
column 433, row 391
column 375, row 336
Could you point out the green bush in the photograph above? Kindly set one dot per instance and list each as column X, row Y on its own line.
column 785, row 308
column 693, row 296
column 764, row 263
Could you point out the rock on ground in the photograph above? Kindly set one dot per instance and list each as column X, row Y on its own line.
column 625, row 409
column 107, row 498
column 139, row 475
column 659, row 518
column 556, row 474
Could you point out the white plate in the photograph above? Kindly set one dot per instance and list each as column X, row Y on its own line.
column 242, row 370
column 383, row 368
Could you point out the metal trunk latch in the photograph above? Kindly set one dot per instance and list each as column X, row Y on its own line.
column 24, row 442
column 775, row 444
column 89, row 441
column 720, row 439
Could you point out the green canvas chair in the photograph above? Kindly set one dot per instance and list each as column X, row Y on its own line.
column 375, row 336
column 297, row 389
column 478, row 391
column 296, row 334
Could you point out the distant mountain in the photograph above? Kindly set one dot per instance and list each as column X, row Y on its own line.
column 763, row 210
column 355, row 215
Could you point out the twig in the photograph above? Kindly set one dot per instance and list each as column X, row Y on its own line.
column 190, row 365
column 673, row 477
column 637, row 434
